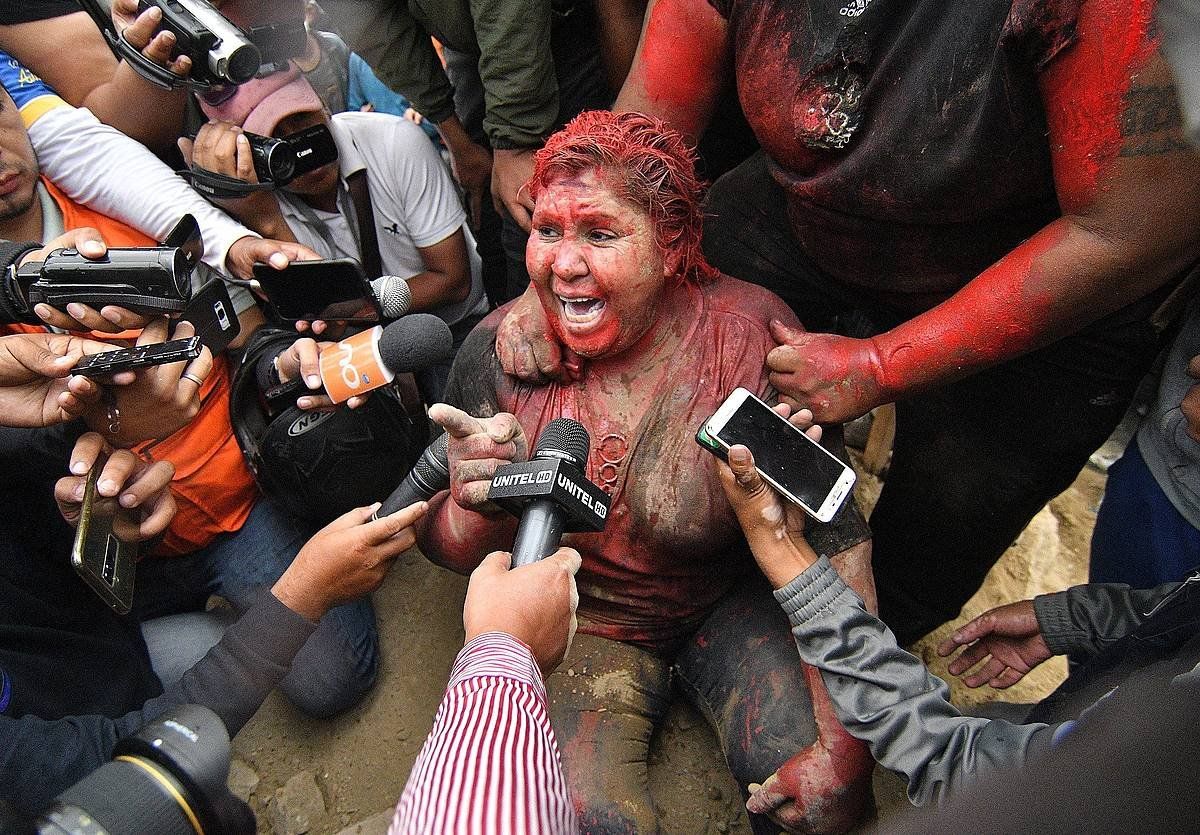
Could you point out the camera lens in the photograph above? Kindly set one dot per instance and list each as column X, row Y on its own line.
column 167, row 778
column 274, row 159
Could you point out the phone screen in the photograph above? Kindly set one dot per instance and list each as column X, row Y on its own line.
column 329, row 290
column 783, row 453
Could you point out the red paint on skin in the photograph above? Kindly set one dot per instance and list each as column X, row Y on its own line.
column 680, row 62
column 1084, row 89
column 1010, row 308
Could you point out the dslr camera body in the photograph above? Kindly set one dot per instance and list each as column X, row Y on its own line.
column 146, row 280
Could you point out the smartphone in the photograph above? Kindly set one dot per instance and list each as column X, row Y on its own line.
column 803, row 471
column 211, row 312
column 139, row 356
column 104, row 560
column 334, row 290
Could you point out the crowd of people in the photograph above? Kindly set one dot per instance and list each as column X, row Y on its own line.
column 986, row 214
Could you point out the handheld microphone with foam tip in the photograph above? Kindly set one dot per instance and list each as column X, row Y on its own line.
column 550, row 493
column 395, row 297
column 372, row 358
column 428, row 477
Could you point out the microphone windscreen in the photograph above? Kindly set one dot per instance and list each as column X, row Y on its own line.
column 563, row 435
column 395, row 297
column 417, row 341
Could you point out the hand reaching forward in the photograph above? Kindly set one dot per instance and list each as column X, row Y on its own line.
column 1006, row 639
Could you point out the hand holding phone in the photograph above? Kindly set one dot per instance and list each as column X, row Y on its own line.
column 121, row 501
column 334, row 290
column 799, row 468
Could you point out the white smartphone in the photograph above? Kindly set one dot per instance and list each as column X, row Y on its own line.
column 803, row 471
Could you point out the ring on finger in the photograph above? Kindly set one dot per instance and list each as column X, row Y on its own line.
column 187, row 375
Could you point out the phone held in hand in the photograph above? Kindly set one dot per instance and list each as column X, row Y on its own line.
column 100, row 556
column 334, row 291
column 212, row 315
column 799, row 468
column 139, row 356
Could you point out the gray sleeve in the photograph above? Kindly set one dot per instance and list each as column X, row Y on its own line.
column 41, row 757
column 888, row 699
column 1085, row 620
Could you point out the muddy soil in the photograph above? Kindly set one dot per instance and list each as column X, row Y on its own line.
column 360, row 761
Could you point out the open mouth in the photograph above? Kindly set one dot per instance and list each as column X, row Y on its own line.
column 581, row 311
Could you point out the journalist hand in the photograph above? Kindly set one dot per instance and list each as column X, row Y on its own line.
column 477, row 447
column 144, row 487
column 223, row 148
column 303, row 359
column 774, row 527
column 159, row 401
column 140, row 30
column 34, row 387
column 79, row 317
column 534, row 603
column 346, row 559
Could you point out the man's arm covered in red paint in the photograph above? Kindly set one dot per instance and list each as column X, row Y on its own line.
column 1129, row 188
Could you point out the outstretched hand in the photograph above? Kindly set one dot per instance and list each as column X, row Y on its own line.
column 477, row 447
column 1007, row 640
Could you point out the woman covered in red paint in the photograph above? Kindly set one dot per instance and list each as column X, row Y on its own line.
column 976, row 209
column 669, row 596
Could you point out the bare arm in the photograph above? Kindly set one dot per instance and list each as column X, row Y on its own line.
column 70, row 55
column 1129, row 188
column 679, row 66
column 447, row 276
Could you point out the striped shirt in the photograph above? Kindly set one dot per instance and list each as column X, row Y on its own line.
column 490, row 764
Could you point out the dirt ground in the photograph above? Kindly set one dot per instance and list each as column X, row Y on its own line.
column 345, row 775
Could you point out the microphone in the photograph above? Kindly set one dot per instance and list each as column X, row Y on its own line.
column 428, row 477
column 394, row 296
column 549, row 492
column 372, row 358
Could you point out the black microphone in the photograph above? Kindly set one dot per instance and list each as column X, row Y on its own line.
column 428, row 477
column 549, row 492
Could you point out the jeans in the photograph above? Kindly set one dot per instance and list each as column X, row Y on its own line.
column 340, row 661
column 973, row 460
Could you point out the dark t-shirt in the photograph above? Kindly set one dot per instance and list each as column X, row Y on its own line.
column 24, row 11
column 910, row 137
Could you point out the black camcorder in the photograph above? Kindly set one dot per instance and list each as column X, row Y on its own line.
column 222, row 52
column 146, row 280
column 167, row 778
column 276, row 162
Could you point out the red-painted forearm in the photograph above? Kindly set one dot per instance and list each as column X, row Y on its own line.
column 459, row 539
column 680, row 65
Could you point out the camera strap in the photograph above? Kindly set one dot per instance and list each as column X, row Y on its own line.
column 368, row 241
column 212, row 184
column 157, row 75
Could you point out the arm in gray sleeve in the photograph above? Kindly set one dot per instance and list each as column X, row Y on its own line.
column 1084, row 620
column 41, row 757
column 888, row 699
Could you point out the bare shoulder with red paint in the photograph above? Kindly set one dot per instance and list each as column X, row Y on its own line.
column 728, row 296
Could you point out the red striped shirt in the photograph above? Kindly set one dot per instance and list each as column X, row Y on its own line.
column 490, row 764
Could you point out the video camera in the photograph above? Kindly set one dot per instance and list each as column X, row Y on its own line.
column 145, row 280
column 168, row 777
column 276, row 162
column 222, row 52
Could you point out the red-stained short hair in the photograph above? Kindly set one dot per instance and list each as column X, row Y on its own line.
column 643, row 161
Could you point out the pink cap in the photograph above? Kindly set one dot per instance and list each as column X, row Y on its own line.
column 262, row 103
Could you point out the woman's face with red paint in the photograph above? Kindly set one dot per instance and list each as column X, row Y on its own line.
column 596, row 266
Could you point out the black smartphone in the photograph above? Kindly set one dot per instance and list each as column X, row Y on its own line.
column 139, row 356
column 335, row 291
column 101, row 557
column 799, row 468
column 211, row 313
